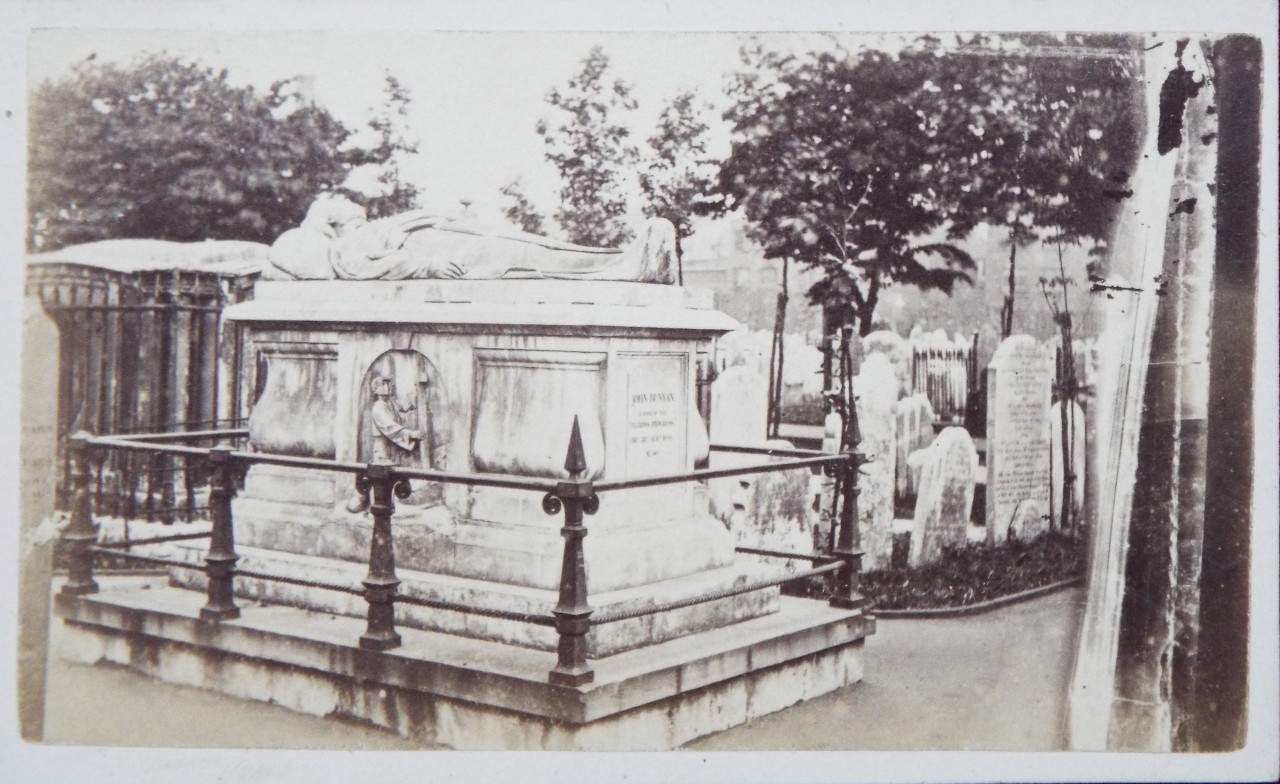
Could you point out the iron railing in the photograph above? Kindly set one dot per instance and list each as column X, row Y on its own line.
column 138, row 352
column 576, row 498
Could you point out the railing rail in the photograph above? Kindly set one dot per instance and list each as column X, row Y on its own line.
column 575, row 497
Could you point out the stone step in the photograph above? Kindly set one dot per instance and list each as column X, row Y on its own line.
column 603, row 640
column 467, row 693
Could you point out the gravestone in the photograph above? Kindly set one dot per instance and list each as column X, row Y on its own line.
column 877, row 391
column 739, row 406
column 1076, row 426
column 768, row 510
column 897, row 350
column 1030, row 520
column 746, row 347
column 915, row 431
column 1017, row 432
column 948, row 470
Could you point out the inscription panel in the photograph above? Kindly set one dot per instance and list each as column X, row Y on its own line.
column 657, row 413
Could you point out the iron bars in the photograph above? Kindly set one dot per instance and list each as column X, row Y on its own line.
column 575, row 497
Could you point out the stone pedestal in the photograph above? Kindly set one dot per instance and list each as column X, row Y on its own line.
column 490, row 375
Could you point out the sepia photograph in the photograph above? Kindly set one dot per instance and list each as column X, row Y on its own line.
column 677, row 380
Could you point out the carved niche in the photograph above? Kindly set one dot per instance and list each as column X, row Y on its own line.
column 399, row 412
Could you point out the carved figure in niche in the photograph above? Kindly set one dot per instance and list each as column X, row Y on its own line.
column 396, row 421
column 391, row 438
column 336, row 240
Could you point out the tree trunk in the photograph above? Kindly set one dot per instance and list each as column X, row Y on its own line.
column 679, row 259
column 1006, row 312
column 868, row 313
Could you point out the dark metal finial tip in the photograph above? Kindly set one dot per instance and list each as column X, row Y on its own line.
column 575, row 459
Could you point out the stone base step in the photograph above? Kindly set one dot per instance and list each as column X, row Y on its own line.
column 603, row 640
column 467, row 693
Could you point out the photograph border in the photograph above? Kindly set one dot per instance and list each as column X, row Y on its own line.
column 1256, row 761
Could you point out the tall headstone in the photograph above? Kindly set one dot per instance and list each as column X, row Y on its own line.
column 1077, row 448
column 1018, row 383
column 739, row 406
column 877, row 390
column 38, row 469
column 915, row 431
column 898, row 352
column 948, row 470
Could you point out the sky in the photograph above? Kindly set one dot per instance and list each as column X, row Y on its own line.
column 476, row 96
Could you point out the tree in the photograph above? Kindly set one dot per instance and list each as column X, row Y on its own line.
column 168, row 149
column 520, row 211
column 677, row 174
column 589, row 147
column 835, row 162
column 1048, row 129
column 389, row 123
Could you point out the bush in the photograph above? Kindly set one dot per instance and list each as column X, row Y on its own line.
column 976, row 573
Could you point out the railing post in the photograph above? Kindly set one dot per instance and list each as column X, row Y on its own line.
column 380, row 584
column 845, row 588
column 80, row 534
column 573, row 615
column 845, row 591
column 220, row 562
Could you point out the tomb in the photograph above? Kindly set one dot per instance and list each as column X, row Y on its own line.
column 480, row 377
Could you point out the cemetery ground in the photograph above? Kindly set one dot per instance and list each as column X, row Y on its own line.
column 993, row 681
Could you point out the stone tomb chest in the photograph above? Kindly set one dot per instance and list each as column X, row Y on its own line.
column 485, row 376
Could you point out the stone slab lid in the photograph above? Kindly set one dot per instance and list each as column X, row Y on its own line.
column 459, row 303
column 228, row 257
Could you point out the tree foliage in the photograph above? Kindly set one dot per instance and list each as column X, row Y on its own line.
column 520, row 211
column 1048, row 130
column 389, row 122
column 835, row 162
column 589, row 146
column 677, row 174
column 168, row 149
column 872, row 165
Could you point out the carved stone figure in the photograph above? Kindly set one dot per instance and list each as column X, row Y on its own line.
column 391, row 438
column 336, row 240
column 396, row 423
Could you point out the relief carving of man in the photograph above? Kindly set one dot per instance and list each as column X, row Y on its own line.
column 336, row 241
column 394, row 443
column 392, row 439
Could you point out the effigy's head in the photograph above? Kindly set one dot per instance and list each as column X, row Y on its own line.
column 380, row 386
column 334, row 215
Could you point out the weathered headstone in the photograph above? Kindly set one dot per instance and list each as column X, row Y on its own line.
column 739, row 406
column 802, row 368
column 915, row 431
column 1017, row 432
column 1076, row 425
column 746, row 347
column 38, row 470
column 1030, row 520
column 876, row 388
column 771, row 510
column 898, row 352
column 947, row 473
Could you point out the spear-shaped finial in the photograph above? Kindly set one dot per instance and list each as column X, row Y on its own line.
column 575, row 459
